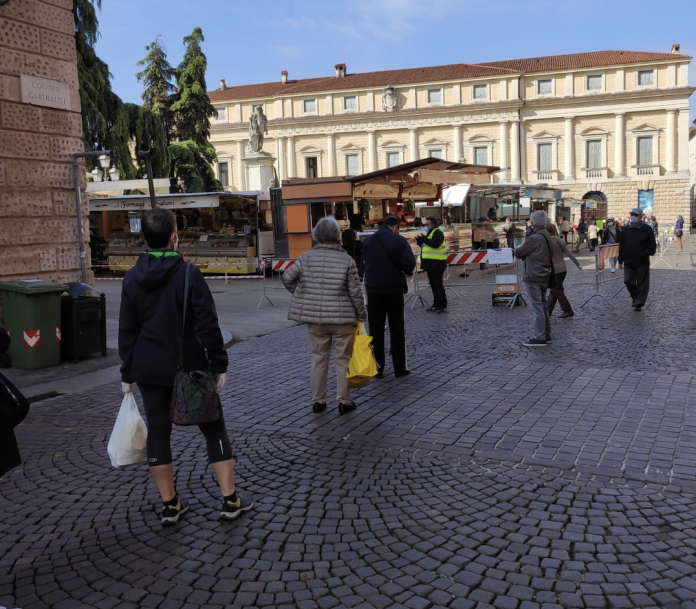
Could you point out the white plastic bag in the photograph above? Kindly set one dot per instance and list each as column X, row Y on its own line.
column 127, row 444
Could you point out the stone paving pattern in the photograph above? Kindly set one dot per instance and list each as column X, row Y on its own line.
column 494, row 476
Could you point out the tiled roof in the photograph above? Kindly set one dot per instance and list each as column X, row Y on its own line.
column 439, row 73
column 594, row 59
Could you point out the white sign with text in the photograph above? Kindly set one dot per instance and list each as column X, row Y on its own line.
column 45, row 92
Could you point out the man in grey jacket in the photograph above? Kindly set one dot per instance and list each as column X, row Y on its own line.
column 536, row 253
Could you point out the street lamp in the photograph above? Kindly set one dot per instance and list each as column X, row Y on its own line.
column 96, row 174
column 78, row 200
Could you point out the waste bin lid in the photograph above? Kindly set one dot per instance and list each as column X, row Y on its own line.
column 32, row 286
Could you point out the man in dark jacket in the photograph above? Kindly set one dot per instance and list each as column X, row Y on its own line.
column 388, row 257
column 636, row 246
column 434, row 262
column 152, row 332
column 9, row 451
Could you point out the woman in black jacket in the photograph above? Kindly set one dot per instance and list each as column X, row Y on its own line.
column 150, row 328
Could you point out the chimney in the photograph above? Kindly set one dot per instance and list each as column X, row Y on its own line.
column 223, row 86
column 675, row 48
column 284, row 77
column 340, row 70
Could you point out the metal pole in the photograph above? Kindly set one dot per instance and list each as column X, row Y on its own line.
column 148, row 156
column 78, row 205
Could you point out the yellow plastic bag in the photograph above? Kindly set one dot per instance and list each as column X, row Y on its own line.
column 362, row 366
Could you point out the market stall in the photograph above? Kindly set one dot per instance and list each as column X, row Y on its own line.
column 223, row 233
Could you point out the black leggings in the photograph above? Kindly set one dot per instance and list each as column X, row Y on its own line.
column 156, row 400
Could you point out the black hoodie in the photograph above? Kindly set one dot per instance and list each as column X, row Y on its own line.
column 150, row 322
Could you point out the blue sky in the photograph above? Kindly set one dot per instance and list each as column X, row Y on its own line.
column 252, row 41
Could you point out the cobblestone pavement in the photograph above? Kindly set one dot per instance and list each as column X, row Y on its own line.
column 493, row 476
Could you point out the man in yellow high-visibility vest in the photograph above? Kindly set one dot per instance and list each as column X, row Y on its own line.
column 434, row 263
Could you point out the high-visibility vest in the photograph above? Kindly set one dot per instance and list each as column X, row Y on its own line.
column 434, row 253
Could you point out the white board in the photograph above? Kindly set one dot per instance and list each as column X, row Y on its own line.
column 500, row 256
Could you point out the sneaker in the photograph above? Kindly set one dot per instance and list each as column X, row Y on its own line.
column 231, row 510
column 534, row 342
column 172, row 512
column 442, row 310
column 613, row 270
column 567, row 314
column 638, row 308
column 432, row 309
column 401, row 373
column 464, row 274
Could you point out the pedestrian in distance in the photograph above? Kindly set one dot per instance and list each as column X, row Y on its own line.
column 529, row 229
column 600, row 225
column 536, row 254
column 434, row 262
column 566, row 229
column 593, row 234
column 636, row 246
column 612, row 236
column 510, row 230
column 582, row 236
column 354, row 248
column 149, row 341
column 679, row 231
column 388, row 259
column 327, row 296
column 556, row 293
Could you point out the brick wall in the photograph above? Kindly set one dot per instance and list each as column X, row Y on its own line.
column 38, row 223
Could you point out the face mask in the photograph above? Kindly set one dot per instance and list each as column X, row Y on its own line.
column 610, row 223
column 176, row 243
column 635, row 219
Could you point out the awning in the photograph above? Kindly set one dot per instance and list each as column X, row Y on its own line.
column 456, row 195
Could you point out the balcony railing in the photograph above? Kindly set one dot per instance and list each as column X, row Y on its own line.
column 646, row 170
column 595, row 172
column 546, row 176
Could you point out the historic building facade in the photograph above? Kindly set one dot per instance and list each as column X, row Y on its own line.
column 40, row 128
column 610, row 123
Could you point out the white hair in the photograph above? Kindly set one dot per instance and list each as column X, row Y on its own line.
column 327, row 230
column 539, row 218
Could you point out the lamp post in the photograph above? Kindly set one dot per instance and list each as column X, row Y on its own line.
column 104, row 156
column 148, row 155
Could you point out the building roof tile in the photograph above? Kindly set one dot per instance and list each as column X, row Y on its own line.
column 455, row 71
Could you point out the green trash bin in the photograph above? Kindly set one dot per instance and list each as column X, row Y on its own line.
column 31, row 309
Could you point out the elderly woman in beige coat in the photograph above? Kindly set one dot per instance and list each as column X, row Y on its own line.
column 327, row 296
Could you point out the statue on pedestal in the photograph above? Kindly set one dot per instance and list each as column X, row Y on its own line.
column 390, row 99
column 258, row 125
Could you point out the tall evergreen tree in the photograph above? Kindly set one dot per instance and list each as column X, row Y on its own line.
column 158, row 77
column 108, row 123
column 193, row 154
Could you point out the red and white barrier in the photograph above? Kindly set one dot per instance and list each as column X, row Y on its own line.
column 282, row 265
column 459, row 258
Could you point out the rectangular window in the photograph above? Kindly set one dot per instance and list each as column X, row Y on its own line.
column 645, row 78
column 544, row 152
column 594, row 83
column 350, row 102
column 352, row 164
column 311, row 165
column 594, row 154
column 392, row 159
column 544, row 87
column 224, row 173
column 645, row 151
column 434, row 96
column 436, row 154
column 254, row 106
column 309, row 105
column 480, row 92
column 480, row 155
column 221, row 115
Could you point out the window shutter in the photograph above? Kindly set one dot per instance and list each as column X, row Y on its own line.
column 545, row 157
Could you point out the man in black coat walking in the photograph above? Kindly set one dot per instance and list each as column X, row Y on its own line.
column 388, row 258
column 636, row 246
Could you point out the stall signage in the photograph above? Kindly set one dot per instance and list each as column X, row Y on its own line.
column 543, row 193
column 143, row 203
column 453, row 177
column 376, row 191
column 45, row 92
column 421, row 191
column 645, row 199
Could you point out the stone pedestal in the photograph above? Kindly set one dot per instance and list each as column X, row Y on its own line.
column 258, row 170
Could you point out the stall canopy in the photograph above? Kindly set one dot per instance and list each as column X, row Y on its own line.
column 418, row 180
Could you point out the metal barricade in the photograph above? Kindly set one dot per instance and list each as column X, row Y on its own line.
column 415, row 292
column 455, row 259
column 604, row 253
column 663, row 248
column 277, row 265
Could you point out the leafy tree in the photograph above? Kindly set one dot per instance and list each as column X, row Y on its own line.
column 158, row 78
column 193, row 154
